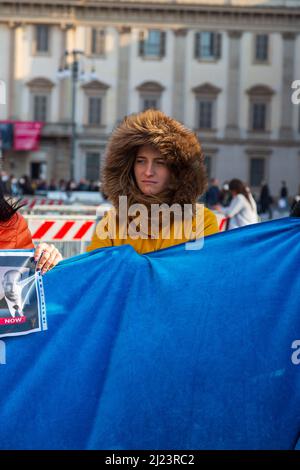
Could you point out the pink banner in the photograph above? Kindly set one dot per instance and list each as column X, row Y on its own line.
column 27, row 135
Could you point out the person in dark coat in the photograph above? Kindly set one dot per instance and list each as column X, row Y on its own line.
column 284, row 190
column 212, row 197
column 265, row 200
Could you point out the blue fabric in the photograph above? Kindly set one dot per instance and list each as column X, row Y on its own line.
column 175, row 349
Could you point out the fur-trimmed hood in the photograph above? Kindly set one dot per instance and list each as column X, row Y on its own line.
column 177, row 144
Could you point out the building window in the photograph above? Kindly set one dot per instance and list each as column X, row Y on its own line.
column 206, row 103
column 150, row 95
column 260, row 97
column 40, row 98
column 94, row 111
column 257, row 171
column 42, row 38
column 95, row 103
column 152, row 43
column 149, row 103
column 38, row 170
column 261, row 47
column 205, row 114
column 208, row 45
column 98, row 39
column 40, row 108
column 92, row 166
column 259, row 114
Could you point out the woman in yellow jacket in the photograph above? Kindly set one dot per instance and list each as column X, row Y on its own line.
column 154, row 174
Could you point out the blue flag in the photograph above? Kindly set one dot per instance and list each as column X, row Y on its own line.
column 176, row 349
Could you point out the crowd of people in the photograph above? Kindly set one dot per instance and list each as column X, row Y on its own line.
column 26, row 186
column 264, row 204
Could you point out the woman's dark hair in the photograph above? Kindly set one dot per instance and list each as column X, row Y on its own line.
column 240, row 188
column 8, row 208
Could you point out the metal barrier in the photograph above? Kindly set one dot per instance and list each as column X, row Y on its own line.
column 30, row 203
column 70, row 248
column 60, row 209
column 67, row 209
column 70, row 228
column 70, row 233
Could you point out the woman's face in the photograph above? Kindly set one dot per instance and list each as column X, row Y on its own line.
column 150, row 170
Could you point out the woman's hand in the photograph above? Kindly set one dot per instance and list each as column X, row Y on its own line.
column 46, row 256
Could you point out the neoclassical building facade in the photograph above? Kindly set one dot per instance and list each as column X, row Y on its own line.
column 224, row 68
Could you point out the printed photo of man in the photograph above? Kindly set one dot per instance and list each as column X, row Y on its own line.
column 19, row 301
column 12, row 289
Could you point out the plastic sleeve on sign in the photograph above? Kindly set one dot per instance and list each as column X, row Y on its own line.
column 41, row 300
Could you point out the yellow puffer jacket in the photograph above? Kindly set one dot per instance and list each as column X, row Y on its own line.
column 107, row 233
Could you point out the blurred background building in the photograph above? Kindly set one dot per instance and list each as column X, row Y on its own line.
column 223, row 67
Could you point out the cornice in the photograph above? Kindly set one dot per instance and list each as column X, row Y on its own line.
column 256, row 144
column 209, row 144
column 150, row 87
column 174, row 15
column 206, row 89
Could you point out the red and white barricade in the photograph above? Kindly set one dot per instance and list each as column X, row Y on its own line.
column 73, row 228
column 30, row 203
column 222, row 220
column 61, row 228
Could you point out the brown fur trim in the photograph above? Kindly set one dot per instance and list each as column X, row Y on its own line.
column 177, row 144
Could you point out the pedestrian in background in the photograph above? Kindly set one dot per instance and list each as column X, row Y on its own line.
column 242, row 209
column 283, row 204
column 265, row 200
column 212, row 196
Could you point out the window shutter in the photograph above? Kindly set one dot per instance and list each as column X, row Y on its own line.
column 93, row 40
column 162, row 43
column 40, row 108
column 218, row 45
column 141, row 43
column 266, row 48
column 102, row 39
column 197, row 47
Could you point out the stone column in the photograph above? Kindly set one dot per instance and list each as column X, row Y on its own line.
column 123, row 72
column 67, row 43
column 286, row 124
column 64, row 84
column 10, row 86
column 233, row 89
column 178, row 101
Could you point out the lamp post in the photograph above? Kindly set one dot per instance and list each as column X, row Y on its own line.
column 65, row 72
column 74, row 75
column 73, row 72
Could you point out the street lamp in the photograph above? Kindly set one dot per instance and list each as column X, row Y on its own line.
column 65, row 72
